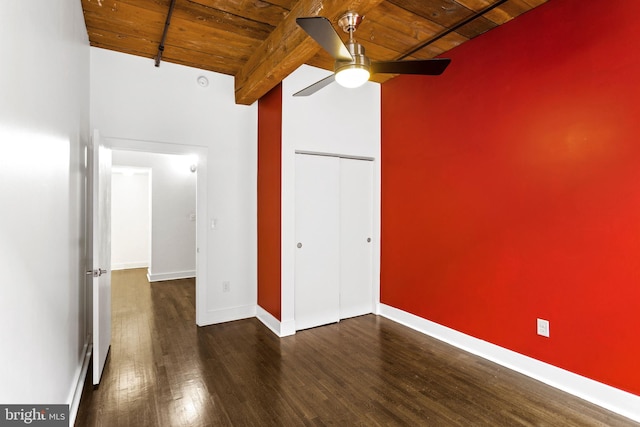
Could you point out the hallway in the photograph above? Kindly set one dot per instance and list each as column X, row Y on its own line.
column 165, row 371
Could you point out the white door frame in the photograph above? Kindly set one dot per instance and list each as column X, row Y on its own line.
column 201, row 204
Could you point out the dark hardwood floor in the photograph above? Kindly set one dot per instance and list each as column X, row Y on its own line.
column 165, row 371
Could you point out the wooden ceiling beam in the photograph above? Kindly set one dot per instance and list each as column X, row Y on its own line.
column 288, row 47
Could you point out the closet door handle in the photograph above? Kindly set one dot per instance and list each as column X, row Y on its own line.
column 299, row 245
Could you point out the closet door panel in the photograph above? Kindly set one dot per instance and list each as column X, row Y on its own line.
column 317, row 224
column 356, row 229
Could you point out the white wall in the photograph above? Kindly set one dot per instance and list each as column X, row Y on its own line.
column 130, row 217
column 336, row 121
column 44, row 82
column 173, row 210
column 132, row 99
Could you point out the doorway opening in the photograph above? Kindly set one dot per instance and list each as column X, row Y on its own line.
column 153, row 209
column 131, row 205
column 176, row 245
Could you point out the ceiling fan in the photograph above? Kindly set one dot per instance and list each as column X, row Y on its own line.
column 352, row 67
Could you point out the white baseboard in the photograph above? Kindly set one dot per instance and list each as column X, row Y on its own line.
column 281, row 329
column 613, row 399
column 287, row 328
column 79, row 378
column 212, row 317
column 129, row 265
column 159, row 277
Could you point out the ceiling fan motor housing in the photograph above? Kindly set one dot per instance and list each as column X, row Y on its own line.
column 359, row 58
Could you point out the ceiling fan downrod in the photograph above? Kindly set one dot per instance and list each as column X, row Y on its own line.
column 357, row 71
column 349, row 23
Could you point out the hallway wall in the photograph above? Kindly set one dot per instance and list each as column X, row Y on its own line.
column 44, row 129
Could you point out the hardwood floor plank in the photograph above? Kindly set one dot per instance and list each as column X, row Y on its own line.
column 366, row 371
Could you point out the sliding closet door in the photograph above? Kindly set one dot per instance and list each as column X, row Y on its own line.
column 356, row 230
column 317, row 223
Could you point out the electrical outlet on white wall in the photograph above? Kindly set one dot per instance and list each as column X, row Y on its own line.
column 543, row 327
column 226, row 286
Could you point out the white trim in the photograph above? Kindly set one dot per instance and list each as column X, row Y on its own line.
column 377, row 308
column 129, row 265
column 287, row 328
column 277, row 327
column 613, row 399
column 170, row 276
column 341, row 156
column 80, row 377
column 228, row 315
column 268, row 320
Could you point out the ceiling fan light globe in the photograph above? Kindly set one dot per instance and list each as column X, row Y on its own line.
column 352, row 77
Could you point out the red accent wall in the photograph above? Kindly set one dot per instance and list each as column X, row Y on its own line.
column 269, row 201
column 511, row 189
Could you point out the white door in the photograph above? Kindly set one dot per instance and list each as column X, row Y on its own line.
column 356, row 229
column 317, row 224
column 101, row 227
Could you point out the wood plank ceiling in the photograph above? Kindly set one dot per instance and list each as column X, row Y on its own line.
column 259, row 43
